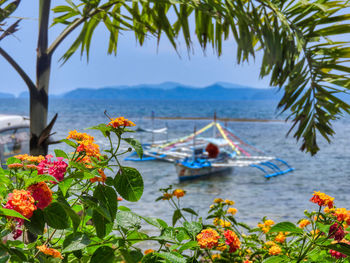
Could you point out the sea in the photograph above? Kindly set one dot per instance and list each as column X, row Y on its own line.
column 280, row 198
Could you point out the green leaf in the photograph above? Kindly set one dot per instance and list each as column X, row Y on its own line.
column 190, row 210
column 277, row 259
column 4, row 259
column 107, row 198
column 128, row 220
column 155, row 222
column 36, row 224
column 70, row 212
column 188, row 245
column 17, row 252
column 60, row 153
column 193, row 228
column 136, row 236
column 10, row 212
column 39, row 178
column 102, row 128
column 75, row 242
column 93, row 203
column 100, row 223
column 70, row 143
column 133, row 256
column 56, row 216
column 12, row 160
column 136, row 145
column 65, row 185
column 286, row 227
column 323, row 228
column 103, row 254
column 172, row 257
column 176, row 216
column 129, row 184
column 181, row 234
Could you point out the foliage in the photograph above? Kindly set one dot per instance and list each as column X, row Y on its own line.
column 67, row 208
column 304, row 51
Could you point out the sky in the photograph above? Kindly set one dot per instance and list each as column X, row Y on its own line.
column 133, row 64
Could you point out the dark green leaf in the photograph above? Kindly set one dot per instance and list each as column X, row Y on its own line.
column 36, row 224
column 129, row 184
column 286, row 227
column 75, row 242
column 176, row 216
column 103, row 254
column 56, row 217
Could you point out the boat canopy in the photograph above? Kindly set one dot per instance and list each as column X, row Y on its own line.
column 13, row 121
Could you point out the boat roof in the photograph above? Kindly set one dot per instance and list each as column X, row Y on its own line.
column 13, row 121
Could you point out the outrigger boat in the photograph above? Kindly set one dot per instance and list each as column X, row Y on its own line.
column 195, row 156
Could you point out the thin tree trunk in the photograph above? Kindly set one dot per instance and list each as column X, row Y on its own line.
column 39, row 96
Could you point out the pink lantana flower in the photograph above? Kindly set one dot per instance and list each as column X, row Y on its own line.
column 55, row 168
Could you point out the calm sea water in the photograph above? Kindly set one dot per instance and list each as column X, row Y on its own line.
column 280, row 198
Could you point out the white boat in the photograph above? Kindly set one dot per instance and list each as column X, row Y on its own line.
column 14, row 136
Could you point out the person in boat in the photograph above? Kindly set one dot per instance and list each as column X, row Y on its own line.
column 212, row 150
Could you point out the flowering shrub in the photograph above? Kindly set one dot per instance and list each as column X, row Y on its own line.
column 66, row 208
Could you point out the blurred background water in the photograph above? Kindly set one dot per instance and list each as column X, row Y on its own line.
column 280, row 198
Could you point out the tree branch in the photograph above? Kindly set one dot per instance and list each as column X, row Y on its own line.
column 20, row 71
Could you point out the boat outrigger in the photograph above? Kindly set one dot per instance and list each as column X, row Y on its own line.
column 196, row 156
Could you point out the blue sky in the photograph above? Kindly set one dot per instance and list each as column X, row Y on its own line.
column 133, row 64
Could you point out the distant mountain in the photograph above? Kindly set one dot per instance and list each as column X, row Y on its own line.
column 176, row 91
column 164, row 85
column 25, row 95
column 6, row 96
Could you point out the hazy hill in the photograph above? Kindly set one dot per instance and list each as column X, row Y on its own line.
column 175, row 91
column 6, row 96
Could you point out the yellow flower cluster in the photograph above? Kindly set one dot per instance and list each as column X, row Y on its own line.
column 303, row 223
column 86, row 143
column 30, row 158
column 50, row 251
column 275, row 250
column 229, row 202
column 208, row 238
column 120, row 122
column 218, row 200
column 232, row 211
column 280, row 238
column 265, row 227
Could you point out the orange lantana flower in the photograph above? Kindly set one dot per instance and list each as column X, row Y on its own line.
column 303, row 223
column 120, row 122
column 208, row 238
column 179, row 193
column 322, row 199
column 21, row 201
column 50, row 251
column 102, row 177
